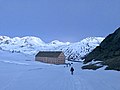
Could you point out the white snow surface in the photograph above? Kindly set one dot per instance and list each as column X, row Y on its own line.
column 20, row 72
column 31, row 45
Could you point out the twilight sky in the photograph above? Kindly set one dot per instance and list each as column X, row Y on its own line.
column 64, row 20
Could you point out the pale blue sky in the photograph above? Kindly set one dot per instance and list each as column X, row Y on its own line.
column 65, row 20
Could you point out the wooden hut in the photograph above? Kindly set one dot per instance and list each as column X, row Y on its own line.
column 52, row 57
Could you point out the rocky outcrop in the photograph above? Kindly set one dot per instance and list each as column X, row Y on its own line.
column 108, row 51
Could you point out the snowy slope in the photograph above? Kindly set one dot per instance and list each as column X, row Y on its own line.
column 77, row 50
column 16, row 74
column 19, row 71
column 31, row 45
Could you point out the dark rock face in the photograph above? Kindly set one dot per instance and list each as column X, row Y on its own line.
column 108, row 51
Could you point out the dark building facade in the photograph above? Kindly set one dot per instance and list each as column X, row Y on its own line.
column 51, row 57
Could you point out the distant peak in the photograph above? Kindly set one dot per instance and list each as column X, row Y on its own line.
column 93, row 39
column 59, row 42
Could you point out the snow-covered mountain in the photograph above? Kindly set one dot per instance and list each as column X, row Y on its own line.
column 75, row 51
column 56, row 42
column 31, row 45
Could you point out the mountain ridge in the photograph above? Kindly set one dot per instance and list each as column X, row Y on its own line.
column 108, row 52
column 31, row 45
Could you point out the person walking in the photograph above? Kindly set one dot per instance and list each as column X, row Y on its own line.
column 72, row 70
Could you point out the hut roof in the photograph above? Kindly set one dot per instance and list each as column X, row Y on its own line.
column 48, row 53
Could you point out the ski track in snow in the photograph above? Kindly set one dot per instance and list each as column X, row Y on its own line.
column 55, row 77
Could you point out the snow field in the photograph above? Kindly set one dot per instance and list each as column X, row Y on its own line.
column 40, row 76
column 21, row 72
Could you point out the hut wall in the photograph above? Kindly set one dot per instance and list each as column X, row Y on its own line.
column 52, row 60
